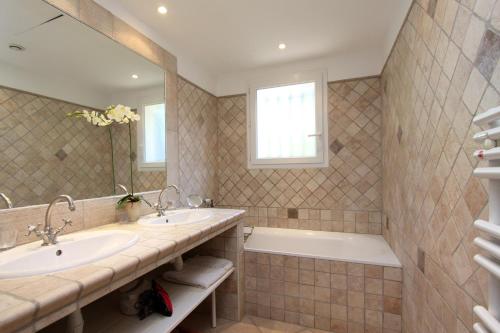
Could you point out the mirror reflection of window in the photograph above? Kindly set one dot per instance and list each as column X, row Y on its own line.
column 151, row 137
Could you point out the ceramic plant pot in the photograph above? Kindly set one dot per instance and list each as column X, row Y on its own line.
column 133, row 211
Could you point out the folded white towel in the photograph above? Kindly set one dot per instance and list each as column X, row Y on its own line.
column 212, row 262
column 200, row 271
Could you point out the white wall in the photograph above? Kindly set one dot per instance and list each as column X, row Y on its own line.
column 135, row 98
column 70, row 90
column 340, row 67
column 63, row 88
column 186, row 67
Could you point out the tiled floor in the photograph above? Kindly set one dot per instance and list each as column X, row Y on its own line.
column 201, row 324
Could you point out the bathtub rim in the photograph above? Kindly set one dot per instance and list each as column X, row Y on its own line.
column 396, row 264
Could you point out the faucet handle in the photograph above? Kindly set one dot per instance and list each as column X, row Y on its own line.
column 67, row 221
column 58, row 230
column 33, row 228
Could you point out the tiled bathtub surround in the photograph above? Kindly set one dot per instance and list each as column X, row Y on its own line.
column 350, row 187
column 324, row 294
column 444, row 69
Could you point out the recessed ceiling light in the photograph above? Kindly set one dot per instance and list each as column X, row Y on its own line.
column 281, row 46
column 135, row 76
column 162, row 10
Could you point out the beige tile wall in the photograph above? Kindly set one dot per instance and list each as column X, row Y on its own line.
column 315, row 219
column 89, row 213
column 143, row 180
column 346, row 196
column 197, row 140
column 324, row 294
column 33, row 130
column 228, row 245
column 45, row 153
column 444, row 69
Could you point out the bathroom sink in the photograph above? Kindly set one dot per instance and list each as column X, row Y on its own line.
column 181, row 216
column 72, row 250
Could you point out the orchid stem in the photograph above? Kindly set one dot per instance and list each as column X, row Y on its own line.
column 130, row 157
column 112, row 159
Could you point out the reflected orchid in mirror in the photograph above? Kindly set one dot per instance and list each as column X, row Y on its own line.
column 119, row 114
column 93, row 117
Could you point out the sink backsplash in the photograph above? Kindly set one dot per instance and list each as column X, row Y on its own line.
column 89, row 213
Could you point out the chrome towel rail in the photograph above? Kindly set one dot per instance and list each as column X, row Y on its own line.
column 491, row 260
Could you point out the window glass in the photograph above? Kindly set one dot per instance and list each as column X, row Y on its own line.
column 286, row 119
column 152, row 136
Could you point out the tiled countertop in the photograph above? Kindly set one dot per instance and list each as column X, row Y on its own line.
column 30, row 303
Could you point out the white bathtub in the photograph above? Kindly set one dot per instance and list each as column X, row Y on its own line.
column 357, row 248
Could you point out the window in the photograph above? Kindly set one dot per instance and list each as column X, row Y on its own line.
column 287, row 120
column 151, row 138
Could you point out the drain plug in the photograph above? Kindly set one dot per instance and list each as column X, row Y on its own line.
column 58, row 252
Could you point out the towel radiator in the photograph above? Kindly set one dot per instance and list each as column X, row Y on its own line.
column 489, row 317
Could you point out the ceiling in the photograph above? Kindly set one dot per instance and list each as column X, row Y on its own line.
column 61, row 48
column 227, row 36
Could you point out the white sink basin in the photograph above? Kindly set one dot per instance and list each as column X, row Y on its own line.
column 71, row 251
column 180, row 216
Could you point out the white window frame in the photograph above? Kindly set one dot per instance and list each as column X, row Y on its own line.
column 321, row 161
column 141, row 165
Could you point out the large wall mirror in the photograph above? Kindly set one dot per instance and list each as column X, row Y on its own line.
column 52, row 65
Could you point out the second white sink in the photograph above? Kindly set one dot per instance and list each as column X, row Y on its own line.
column 180, row 216
column 72, row 250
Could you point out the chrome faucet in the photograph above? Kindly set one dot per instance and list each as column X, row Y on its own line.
column 170, row 205
column 7, row 200
column 49, row 235
column 159, row 206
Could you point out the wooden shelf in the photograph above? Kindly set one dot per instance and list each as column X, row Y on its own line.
column 104, row 316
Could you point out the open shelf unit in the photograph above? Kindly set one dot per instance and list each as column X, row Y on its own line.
column 105, row 317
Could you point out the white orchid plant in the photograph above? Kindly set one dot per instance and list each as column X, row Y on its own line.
column 118, row 114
